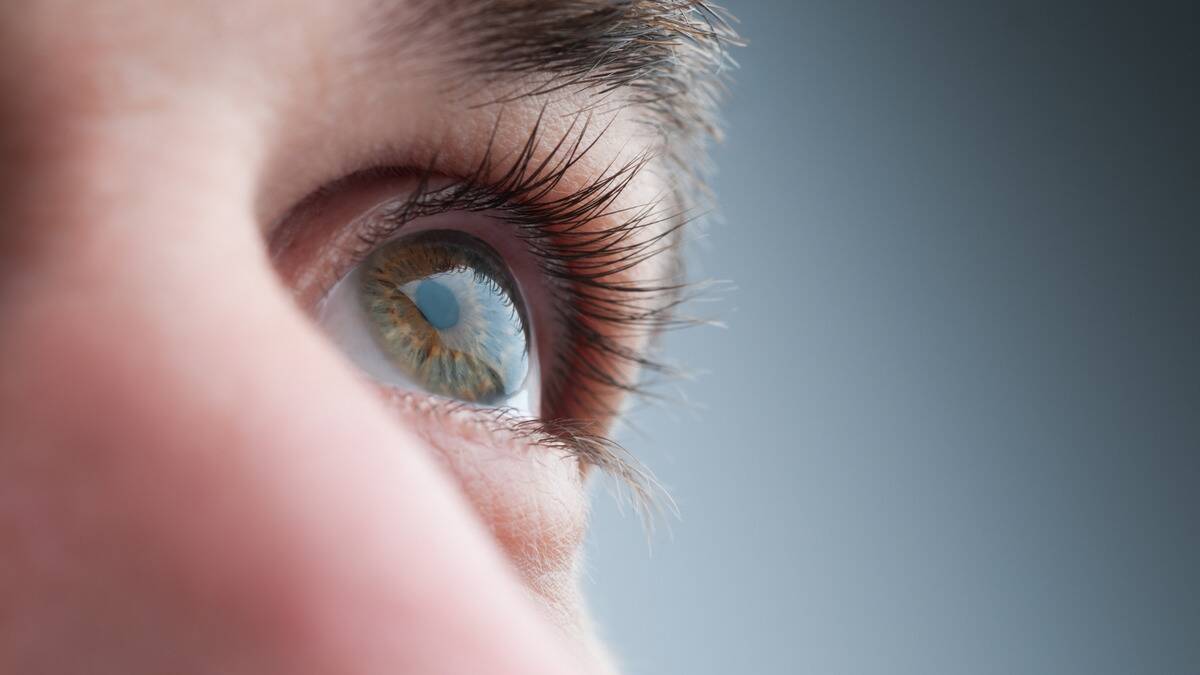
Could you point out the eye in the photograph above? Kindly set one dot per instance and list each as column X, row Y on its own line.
column 496, row 294
column 439, row 312
column 505, row 288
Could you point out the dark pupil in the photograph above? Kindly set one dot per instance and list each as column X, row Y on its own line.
column 437, row 304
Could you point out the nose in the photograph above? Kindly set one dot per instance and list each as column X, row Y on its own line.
column 189, row 481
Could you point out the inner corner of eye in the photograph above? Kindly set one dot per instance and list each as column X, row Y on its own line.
column 433, row 312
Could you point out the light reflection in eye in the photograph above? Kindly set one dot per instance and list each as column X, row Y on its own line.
column 441, row 314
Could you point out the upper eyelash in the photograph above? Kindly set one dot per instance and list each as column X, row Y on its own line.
column 581, row 264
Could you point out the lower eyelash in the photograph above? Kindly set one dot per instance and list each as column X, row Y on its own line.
column 634, row 483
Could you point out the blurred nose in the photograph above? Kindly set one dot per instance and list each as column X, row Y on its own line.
column 149, row 403
column 184, row 465
column 131, row 258
column 127, row 235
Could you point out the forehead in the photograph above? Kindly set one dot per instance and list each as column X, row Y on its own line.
column 375, row 74
column 664, row 54
column 184, row 40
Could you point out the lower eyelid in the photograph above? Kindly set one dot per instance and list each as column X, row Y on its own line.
column 530, row 492
column 462, row 431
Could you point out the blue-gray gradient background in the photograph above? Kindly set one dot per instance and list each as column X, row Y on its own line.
column 954, row 423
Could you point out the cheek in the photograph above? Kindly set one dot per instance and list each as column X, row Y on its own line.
column 532, row 499
column 159, row 440
column 533, row 504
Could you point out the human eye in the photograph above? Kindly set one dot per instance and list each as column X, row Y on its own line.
column 437, row 311
column 500, row 290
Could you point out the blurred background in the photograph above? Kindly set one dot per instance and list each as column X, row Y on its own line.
column 954, row 423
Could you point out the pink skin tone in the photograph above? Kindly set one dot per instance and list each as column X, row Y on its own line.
column 192, row 477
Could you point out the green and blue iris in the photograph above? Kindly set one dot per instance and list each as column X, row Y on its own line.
column 445, row 310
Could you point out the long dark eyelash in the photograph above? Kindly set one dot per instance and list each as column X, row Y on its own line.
column 593, row 306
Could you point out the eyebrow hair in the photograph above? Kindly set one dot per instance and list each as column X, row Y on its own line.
column 666, row 58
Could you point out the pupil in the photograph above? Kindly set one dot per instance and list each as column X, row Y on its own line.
column 437, row 304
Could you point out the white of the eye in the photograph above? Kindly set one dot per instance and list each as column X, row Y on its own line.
column 346, row 322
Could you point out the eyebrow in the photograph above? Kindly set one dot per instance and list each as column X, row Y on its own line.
column 666, row 58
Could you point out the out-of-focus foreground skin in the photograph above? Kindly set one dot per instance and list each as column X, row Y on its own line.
column 192, row 479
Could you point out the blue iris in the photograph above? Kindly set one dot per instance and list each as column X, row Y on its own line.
column 437, row 304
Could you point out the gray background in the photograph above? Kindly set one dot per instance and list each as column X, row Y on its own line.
column 953, row 426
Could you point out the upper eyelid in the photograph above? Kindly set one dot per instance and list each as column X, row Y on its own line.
column 522, row 193
column 628, row 234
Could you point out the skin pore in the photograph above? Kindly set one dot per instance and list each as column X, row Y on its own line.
column 193, row 476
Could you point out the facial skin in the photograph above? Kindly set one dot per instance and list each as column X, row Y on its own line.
column 193, row 476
